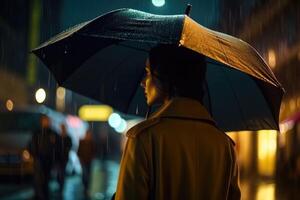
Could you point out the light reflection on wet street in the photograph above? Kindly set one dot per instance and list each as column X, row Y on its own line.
column 269, row 190
column 103, row 183
column 104, row 180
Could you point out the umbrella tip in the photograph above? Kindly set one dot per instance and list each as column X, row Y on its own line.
column 188, row 9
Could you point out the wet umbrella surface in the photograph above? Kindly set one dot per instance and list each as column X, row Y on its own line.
column 104, row 59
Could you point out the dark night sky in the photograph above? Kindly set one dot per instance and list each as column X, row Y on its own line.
column 75, row 11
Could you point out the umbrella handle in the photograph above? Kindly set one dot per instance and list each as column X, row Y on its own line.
column 188, row 9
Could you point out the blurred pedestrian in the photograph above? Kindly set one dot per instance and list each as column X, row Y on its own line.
column 86, row 153
column 43, row 148
column 178, row 152
column 65, row 145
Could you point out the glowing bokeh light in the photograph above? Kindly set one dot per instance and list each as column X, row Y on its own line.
column 9, row 105
column 265, row 191
column 60, row 93
column 122, row 127
column 114, row 120
column 73, row 122
column 158, row 3
column 272, row 58
column 95, row 112
column 26, row 155
column 267, row 146
column 40, row 95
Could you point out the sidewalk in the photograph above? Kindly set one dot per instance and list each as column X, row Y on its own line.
column 103, row 184
column 105, row 175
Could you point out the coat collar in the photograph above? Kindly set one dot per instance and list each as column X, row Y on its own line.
column 180, row 107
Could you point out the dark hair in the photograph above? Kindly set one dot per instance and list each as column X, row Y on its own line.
column 180, row 70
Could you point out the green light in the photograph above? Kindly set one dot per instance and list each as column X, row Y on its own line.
column 34, row 39
column 158, row 3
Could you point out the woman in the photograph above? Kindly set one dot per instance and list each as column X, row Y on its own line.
column 178, row 152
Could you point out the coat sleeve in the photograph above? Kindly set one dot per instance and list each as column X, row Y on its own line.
column 234, row 189
column 133, row 183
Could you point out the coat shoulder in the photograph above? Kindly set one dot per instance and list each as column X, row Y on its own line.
column 136, row 130
column 227, row 136
column 230, row 139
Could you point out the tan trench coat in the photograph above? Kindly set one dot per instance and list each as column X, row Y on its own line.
column 178, row 153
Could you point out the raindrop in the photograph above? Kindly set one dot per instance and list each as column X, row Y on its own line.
column 115, row 87
column 66, row 50
column 49, row 78
column 92, row 126
column 137, row 110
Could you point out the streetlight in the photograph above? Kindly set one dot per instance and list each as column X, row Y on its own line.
column 158, row 3
column 122, row 126
column 96, row 113
column 40, row 95
column 272, row 58
column 114, row 120
column 60, row 98
column 9, row 105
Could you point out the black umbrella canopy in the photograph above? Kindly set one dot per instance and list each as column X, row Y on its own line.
column 104, row 59
column 74, row 46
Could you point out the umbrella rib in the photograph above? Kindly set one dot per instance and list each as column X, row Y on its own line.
column 117, row 67
column 252, row 78
column 135, row 48
column 121, row 40
column 242, row 113
column 268, row 104
column 133, row 93
column 235, row 96
column 224, row 72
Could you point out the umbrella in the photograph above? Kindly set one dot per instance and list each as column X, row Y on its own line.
column 104, row 59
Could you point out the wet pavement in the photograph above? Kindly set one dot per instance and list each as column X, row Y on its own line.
column 104, row 180
column 103, row 183
column 268, row 189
